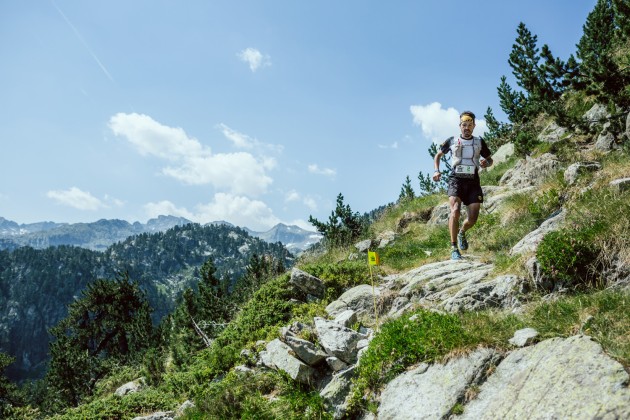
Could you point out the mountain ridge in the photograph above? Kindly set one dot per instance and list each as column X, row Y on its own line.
column 99, row 235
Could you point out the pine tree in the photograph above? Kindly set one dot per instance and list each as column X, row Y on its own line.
column 109, row 324
column 601, row 74
column 406, row 191
column 343, row 225
column 498, row 132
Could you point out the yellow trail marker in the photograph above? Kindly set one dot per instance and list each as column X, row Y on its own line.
column 373, row 259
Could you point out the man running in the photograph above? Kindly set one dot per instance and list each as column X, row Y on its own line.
column 469, row 153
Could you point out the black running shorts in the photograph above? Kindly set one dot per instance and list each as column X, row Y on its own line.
column 468, row 190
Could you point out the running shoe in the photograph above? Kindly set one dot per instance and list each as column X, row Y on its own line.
column 455, row 255
column 463, row 243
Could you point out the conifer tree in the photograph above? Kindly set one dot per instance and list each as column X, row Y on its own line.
column 343, row 225
column 406, row 191
column 109, row 324
column 601, row 74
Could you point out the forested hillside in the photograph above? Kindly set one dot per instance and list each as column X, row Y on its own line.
column 37, row 285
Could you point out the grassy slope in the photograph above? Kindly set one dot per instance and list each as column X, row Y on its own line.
column 594, row 310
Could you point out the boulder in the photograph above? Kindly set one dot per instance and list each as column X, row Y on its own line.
column 606, row 142
column 440, row 215
column 346, row 318
column 523, row 337
column 598, row 114
column 363, row 246
column 280, row 356
column 431, row 391
column 531, row 241
column 130, row 387
column 552, row 133
column 337, row 340
column 502, row 154
column 337, row 391
column 413, row 217
column 359, row 299
column 500, row 292
column 555, row 379
column 307, row 283
column 306, row 351
column 384, row 238
column 572, row 173
column 530, row 172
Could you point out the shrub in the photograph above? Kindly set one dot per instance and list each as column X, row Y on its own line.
column 340, row 276
column 567, row 256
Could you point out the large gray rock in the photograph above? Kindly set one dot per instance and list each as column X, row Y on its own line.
column 530, row 172
column 574, row 170
column 337, row 391
column 502, row 154
column 440, row 215
column 500, row 292
column 130, row 387
column 523, row 337
column 430, row 392
column 338, row 340
column 531, row 241
column 552, row 133
column 279, row 356
column 307, row 283
column 432, row 284
column 555, row 379
column 360, row 299
column 606, row 141
column 598, row 114
column 160, row 415
column 306, row 351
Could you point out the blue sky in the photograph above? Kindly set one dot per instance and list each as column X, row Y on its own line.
column 253, row 112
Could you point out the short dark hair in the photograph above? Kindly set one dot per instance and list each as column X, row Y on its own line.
column 469, row 113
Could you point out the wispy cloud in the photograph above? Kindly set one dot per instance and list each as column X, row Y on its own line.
column 85, row 44
column 76, row 198
column 315, row 169
column 190, row 161
column 254, row 58
column 394, row 145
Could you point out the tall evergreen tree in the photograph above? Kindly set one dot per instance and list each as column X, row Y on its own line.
column 110, row 323
column 601, row 74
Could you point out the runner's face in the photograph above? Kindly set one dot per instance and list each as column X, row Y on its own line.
column 467, row 128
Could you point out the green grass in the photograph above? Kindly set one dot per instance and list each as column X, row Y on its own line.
column 428, row 337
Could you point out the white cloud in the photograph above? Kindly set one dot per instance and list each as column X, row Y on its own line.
column 76, row 198
column 314, row 169
column 254, row 58
column 240, row 140
column 238, row 210
column 243, row 141
column 165, row 207
column 291, row 196
column 190, row 161
column 438, row 124
column 149, row 137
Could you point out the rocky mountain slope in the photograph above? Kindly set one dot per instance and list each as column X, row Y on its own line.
column 525, row 375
